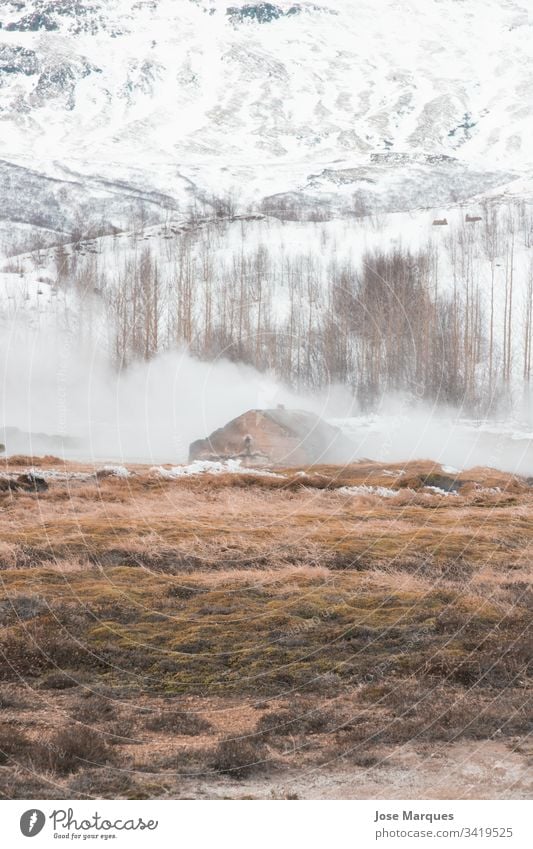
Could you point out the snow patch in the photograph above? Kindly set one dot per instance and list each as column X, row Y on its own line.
column 381, row 491
column 210, row 467
column 54, row 474
column 115, row 471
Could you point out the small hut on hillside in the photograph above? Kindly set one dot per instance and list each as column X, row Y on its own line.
column 277, row 437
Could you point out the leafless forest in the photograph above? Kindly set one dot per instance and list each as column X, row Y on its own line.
column 450, row 322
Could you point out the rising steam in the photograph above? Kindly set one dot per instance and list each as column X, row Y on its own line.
column 55, row 384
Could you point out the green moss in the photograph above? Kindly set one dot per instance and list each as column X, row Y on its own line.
column 238, row 639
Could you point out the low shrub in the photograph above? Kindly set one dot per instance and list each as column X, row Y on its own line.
column 93, row 707
column 19, row 783
column 11, row 702
column 105, row 784
column 119, row 732
column 14, row 745
column 239, row 757
column 59, row 681
column 70, row 749
column 178, row 722
column 419, row 710
column 296, row 719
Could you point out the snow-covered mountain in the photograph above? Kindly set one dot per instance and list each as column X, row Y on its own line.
column 385, row 104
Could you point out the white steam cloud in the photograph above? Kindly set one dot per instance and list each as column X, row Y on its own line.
column 55, row 385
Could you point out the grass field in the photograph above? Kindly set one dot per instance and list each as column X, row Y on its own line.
column 331, row 632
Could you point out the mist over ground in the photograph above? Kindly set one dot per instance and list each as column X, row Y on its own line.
column 59, row 395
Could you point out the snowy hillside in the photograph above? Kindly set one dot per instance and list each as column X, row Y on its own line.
column 239, row 200
column 382, row 104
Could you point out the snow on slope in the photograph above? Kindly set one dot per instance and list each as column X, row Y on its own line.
column 109, row 107
column 266, row 98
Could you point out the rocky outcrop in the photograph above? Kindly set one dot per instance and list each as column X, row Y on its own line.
column 262, row 13
column 60, row 81
column 265, row 13
column 33, row 23
column 58, row 14
column 277, row 437
column 18, row 60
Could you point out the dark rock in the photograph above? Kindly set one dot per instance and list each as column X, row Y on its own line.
column 261, row 13
column 32, row 483
column 61, row 81
column 75, row 16
column 444, row 482
column 33, row 23
column 18, row 60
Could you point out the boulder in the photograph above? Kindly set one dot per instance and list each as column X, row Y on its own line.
column 277, row 437
column 24, row 483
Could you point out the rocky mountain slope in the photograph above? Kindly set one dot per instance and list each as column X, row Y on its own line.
column 384, row 105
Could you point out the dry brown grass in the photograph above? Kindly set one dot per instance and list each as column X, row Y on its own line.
column 267, row 621
column 232, row 521
column 17, row 460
